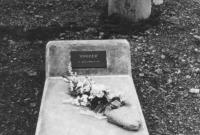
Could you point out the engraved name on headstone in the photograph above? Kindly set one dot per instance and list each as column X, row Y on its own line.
column 88, row 59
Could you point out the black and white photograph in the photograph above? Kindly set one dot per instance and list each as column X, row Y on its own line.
column 99, row 67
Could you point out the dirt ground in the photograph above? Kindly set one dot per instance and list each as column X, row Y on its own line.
column 165, row 58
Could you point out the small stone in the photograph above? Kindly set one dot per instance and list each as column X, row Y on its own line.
column 196, row 50
column 174, row 20
column 196, row 69
column 133, row 36
column 62, row 34
column 5, row 38
column 163, row 56
column 90, row 29
column 31, row 73
column 178, row 71
column 101, row 34
column 11, row 42
column 38, row 16
column 193, row 90
column 153, row 51
column 33, row 104
column 27, row 99
column 39, row 42
column 169, row 81
column 78, row 33
column 197, row 37
column 185, row 94
column 158, row 71
column 183, row 60
column 188, row 76
column 35, row 112
column 141, row 74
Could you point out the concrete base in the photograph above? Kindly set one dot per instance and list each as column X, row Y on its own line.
column 57, row 118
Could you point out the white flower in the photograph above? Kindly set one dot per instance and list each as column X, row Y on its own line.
column 76, row 101
column 71, row 85
column 87, row 85
column 98, row 90
column 91, row 97
column 86, row 88
column 84, row 98
column 79, row 84
column 81, row 89
column 83, row 103
column 100, row 94
column 65, row 79
column 73, row 79
column 123, row 98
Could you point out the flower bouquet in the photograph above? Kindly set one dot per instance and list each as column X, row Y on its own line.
column 102, row 101
column 87, row 93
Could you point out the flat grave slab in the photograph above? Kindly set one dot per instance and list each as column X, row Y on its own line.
column 113, row 69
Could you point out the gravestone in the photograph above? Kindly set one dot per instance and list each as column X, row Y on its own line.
column 133, row 10
column 107, row 62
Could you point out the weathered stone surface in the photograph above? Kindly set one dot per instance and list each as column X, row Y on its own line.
column 57, row 118
column 118, row 56
column 133, row 10
column 157, row 2
column 65, row 119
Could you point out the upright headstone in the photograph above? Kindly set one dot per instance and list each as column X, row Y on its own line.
column 133, row 10
column 157, row 2
column 107, row 62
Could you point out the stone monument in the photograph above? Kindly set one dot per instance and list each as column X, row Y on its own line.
column 105, row 61
column 133, row 10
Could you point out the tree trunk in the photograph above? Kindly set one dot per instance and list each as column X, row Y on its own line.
column 133, row 10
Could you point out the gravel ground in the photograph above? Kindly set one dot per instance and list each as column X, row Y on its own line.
column 165, row 54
